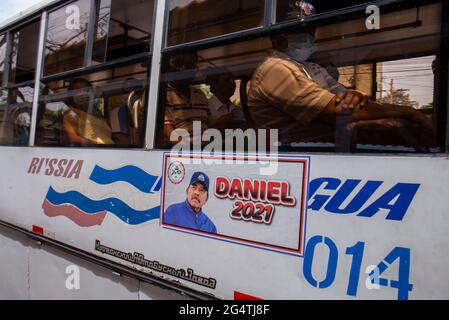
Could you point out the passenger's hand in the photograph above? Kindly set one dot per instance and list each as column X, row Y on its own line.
column 350, row 101
column 422, row 121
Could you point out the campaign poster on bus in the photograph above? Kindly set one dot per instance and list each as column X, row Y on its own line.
column 229, row 198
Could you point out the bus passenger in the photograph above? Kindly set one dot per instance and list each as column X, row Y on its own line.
column 185, row 102
column 223, row 113
column 16, row 129
column 83, row 122
column 302, row 100
column 119, row 119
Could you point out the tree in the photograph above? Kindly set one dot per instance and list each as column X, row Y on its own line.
column 427, row 108
column 400, row 97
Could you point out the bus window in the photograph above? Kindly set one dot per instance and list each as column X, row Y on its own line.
column 15, row 115
column 105, row 108
column 24, row 53
column 394, row 66
column 205, row 86
column 414, row 88
column 18, row 92
column 124, row 29
column 192, row 20
column 331, row 87
column 67, row 37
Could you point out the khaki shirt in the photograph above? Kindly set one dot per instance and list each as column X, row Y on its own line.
column 181, row 112
column 82, row 127
column 323, row 78
column 283, row 96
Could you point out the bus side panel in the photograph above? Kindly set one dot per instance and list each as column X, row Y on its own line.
column 14, row 261
column 376, row 228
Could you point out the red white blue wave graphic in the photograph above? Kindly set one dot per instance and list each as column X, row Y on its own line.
column 86, row 212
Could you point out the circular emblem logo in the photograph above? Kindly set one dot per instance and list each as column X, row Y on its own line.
column 176, row 172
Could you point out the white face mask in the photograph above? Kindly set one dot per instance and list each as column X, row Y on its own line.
column 301, row 47
column 300, row 55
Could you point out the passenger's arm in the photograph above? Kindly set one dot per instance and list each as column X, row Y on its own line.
column 72, row 135
column 375, row 111
column 352, row 99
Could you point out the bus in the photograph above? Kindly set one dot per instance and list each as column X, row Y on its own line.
column 211, row 149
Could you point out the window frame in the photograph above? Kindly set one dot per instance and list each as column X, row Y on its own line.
column 90, row 71
column 8, row 32
column 159, row 49
column 16, row 29
column 267, row 22
column 9, row 44
column 90, row 42
column 142, row 57
column 42, row 15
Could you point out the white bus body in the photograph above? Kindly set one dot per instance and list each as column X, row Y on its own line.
column 366, row 226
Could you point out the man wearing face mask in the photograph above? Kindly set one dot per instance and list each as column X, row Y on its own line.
column 303, row 101
column 300, row 47
column 288, row 93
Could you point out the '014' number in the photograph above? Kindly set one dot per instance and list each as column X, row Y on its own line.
column 250, row 212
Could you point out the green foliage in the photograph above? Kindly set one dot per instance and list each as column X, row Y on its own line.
column 400, row 97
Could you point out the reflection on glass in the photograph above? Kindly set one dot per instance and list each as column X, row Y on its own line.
column 290, row 82
column 206, row 86
column 123, row 29
column 66, row 37
column 2, row 55
column 192, row 20
column 407, row 82
column 103, row 109
column 24, row 53
column 15, row 115
column 102, row 22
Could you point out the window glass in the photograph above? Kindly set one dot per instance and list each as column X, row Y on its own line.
column 124, row 28
column 15, row 115
column 335, row 87
column 407, row 82
column 106, row 108
column 2, row 55
column 66, row 37
column 16, row 96
column 205, row 86
column 24, row 53
column 192, row 20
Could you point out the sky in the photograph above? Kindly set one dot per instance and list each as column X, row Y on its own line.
column 9, row 8
column 414, row 75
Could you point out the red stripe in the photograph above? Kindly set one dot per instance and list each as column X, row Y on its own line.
column 79, row 217
column 245, row 297
column 38, row 230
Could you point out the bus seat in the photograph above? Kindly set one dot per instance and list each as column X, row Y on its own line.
column 244, row 100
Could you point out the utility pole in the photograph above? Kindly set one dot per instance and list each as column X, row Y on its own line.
column 392, row 91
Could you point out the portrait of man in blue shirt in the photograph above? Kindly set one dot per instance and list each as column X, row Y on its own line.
column 189, row 214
